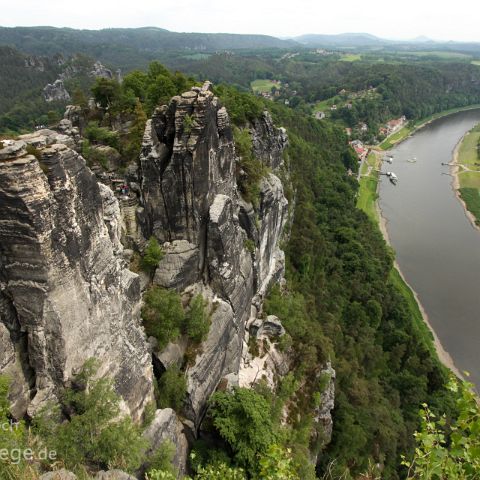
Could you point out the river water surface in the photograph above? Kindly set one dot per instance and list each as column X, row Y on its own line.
column 437, row 248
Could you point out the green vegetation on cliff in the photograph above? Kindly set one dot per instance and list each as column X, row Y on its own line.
column 344, row 303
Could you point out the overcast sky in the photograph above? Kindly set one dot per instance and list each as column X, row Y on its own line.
column 455, row 20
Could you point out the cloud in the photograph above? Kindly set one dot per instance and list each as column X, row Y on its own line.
column 407, row 19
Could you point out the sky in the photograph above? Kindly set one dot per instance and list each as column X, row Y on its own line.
column 405, row 19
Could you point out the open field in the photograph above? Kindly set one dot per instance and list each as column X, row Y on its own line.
column 259, row 86
column 390, row 141
column 444, row 55
column 367, row 193
column 471, row 197
column 475, row 62
column 324, row 105
column 468, row 182
column 350, row 57
column 468, row 153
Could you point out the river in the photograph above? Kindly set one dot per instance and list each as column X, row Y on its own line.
column 437, row 248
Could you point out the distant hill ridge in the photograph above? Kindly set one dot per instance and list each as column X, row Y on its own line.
column 50, row 40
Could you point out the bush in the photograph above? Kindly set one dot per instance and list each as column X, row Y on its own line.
column 452, row 452
column 197, row 319
column 103, row 135
column 188, row 122
column 172, row 389
column 243, row 418
column 162, row 459
column 93, row 434
column 162, row 314
column 151, row 256
column 277, row 464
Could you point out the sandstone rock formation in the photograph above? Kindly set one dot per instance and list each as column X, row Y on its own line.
column 65, row 294
column 190, row 200
column 56, row 92
column 167, row 427
column 59, row 475
column 100, row 71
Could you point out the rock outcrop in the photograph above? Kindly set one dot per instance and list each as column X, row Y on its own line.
column 215, row 242
column 56, row 92
column 167, row 427
column 100, row 71
column 65, row 293
column 323, row 413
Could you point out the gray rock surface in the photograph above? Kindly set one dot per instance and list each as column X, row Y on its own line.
column 220, row 355
column 100, row 71
column 323, row 414
column 179, row 267
column 172, row 354
column 111, row 157
column 13, row 361
column 167, row 427
column 64, row 279
column 271, row 327
column 56, row 92
column 45, row 137
column 187, row 159
column 59, row 475
column 75, row 115
column 268, row 141
column 113, row 475
column 273, row 216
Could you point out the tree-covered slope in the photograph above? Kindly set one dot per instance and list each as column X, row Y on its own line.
column 128, row 47
column 343, row 305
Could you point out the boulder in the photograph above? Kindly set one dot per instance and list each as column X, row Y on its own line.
column 59, row 475
column 113, row 475
column 100, row 71
column 271, row 328
column 167, row 427
column 179, row 267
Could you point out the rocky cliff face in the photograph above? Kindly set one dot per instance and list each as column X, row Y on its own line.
column 65, row 293
column 187, row 177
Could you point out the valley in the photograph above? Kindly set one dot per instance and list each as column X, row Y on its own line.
column 205, row 271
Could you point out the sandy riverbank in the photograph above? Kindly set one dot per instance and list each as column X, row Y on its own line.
column 444, row 357
column 455, row 170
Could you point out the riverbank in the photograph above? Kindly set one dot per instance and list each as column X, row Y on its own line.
column 466, row 175
column 410, row 129
column 420, row 318
column 367, row 201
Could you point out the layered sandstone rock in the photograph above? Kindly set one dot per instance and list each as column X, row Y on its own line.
column 187, row 177
column 65, row 292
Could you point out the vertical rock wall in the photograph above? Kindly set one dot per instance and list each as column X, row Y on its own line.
column 187, row 174
column 65, row 294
